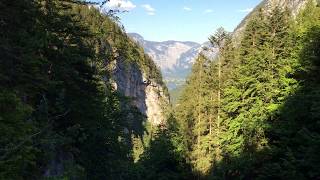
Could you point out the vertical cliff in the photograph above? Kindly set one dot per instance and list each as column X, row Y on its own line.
column 148, row 95
column 138, row 79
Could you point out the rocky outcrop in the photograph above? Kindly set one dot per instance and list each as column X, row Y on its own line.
column 145, row 94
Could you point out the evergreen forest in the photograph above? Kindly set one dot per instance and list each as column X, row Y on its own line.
column 251, row 112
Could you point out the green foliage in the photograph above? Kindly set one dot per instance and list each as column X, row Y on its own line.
column 269, row 93
column 16, row 150
column 175, row 94
column 163, row 159
column 253, row 114
column 60, row 118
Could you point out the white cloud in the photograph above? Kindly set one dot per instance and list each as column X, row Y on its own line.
column 187, row 8
column 208, row 11
column 150, row 10
column 151, row 13
column 125, row 5
column 245, row 10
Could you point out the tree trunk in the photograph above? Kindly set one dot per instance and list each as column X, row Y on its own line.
column 199, row 106
column 219, row 93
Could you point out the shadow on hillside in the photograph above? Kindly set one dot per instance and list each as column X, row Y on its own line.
column 293, row 133
column 160, row 160
column 131, row 87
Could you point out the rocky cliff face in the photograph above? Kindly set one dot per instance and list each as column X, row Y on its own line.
column 145, row 94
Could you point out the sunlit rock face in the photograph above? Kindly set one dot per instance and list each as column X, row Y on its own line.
column 145, row 94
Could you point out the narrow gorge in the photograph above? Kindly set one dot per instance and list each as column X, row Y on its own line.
column 82, row 98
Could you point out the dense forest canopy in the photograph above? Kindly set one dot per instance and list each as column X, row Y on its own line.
column 60, row 116
column 255, row 115
column 251, row 113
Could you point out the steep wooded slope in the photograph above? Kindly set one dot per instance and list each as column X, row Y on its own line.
column 61, row 114
column 254, row 113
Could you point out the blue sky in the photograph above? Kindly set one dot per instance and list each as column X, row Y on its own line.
column 183, row 20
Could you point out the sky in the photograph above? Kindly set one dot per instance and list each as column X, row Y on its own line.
column 181, row 20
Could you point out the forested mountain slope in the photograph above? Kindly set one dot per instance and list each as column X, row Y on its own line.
column 78, row 98
column 294, row 6
column 254, row 113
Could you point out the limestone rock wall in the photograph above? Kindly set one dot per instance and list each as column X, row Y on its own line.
column 145, row 94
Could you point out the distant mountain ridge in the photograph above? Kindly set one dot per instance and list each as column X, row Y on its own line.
column 175, row 58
